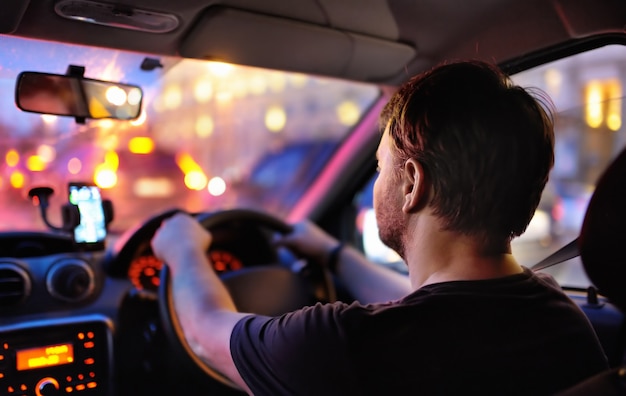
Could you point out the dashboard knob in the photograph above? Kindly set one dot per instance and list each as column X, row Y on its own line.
column 47, row 387
column 70, row 281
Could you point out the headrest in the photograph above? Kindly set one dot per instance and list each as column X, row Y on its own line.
column 602, row 241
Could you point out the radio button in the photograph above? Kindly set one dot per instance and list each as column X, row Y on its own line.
column 47, row 387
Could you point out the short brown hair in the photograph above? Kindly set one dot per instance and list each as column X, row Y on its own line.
column 486, row 145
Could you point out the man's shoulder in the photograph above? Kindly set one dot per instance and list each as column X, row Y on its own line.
column 524, row 283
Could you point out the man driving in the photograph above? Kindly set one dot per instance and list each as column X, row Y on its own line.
column 463, row 160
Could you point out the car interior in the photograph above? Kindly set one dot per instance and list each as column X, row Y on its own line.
column 252, row 116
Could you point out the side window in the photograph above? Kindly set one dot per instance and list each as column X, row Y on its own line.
column 587, row 91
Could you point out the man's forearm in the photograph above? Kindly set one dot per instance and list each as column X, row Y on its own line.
column 206, row 312
column 197, row 287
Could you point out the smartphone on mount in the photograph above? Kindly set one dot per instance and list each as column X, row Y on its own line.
column 91, row 231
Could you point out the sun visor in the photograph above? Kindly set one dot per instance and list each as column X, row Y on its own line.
column 11, row 15
column 236, row 36
column 375, row 59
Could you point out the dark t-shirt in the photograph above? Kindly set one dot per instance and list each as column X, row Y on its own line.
column 518, row 335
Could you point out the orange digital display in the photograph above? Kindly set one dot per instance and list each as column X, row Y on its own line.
column 52, row 355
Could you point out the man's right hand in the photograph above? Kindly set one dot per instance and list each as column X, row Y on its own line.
column 177, row 237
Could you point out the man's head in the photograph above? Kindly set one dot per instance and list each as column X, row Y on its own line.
column 485, row 148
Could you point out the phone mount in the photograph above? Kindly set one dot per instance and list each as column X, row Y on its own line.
column 70, row 216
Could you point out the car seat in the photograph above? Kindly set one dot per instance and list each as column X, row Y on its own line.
column 601, row 245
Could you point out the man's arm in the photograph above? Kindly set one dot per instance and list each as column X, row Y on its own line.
column 203, row 304
column 366, row 281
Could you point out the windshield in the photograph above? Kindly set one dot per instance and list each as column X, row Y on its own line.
column 210, row 136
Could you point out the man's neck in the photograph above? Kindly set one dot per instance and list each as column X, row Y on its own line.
column 437, row 256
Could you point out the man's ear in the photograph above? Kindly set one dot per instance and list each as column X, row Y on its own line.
column 413, row 185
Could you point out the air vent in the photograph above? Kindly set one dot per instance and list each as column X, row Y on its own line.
column 14, row 284
column 71, row 280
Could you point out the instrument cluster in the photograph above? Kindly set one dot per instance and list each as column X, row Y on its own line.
column 145, row 271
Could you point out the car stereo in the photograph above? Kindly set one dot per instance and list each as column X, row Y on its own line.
column 56, row 358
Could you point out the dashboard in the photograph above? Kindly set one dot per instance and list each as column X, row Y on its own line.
column 81, row 321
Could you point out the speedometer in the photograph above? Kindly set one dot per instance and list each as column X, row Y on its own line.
column 224, row 261
column 145, row 271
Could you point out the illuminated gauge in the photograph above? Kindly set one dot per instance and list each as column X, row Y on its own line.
column 224, row 261
column 145, row 272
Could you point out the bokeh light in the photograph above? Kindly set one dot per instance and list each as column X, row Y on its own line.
column 12, row 158
column 204, row 126
column 160, row 187
column 105, row 124
column 35, row 163
column 195, row 180
column 186, row 163
column 141, row 145
column 275, row 118
column 134, row 96
column 593, row 111
column 74, row 166
column 220, row 69
column 49, row 119
column 348, row 113
column 172, row 97
column 116, row 95
column 217, row 186
column 111, row 160
column 203, row 90
column 17, row 179
column 46, row 152
column 105, row 177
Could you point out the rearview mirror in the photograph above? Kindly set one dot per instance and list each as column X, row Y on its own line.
column 75, row 96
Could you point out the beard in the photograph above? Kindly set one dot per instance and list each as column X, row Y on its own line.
column 391, row 224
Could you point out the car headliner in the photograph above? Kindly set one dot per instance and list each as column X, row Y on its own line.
column 381, row 41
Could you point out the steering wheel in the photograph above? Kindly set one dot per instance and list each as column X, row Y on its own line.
column 267, row 289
